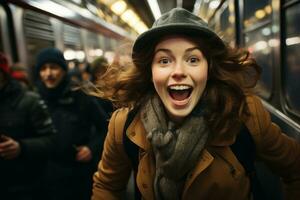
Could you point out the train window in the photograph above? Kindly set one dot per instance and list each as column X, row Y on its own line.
column 72, row 37
column 256, row 11
column 101, row 39
column 114, row 43
column 73, row 44
column 292, row 58
column 38, row 34
column 107, row 44
column 260, row 43
column 93, row 46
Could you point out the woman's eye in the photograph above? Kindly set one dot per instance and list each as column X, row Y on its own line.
column 164, row 61
column 193, row 60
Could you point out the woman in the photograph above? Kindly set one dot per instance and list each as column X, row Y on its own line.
column 192, row 94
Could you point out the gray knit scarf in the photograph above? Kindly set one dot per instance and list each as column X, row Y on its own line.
column 176, row 148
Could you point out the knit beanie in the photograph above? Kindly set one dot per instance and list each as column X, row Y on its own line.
column 50, row 55
column 4, row 63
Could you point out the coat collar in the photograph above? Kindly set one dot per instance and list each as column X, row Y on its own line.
column 137, row 134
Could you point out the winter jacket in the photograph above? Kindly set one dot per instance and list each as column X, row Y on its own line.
column 79, row 121
column 24, row 117
column 217, row 175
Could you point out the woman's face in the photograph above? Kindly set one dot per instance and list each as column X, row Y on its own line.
column 179, row 73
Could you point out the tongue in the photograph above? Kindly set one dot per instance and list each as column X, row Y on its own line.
column 179, row 95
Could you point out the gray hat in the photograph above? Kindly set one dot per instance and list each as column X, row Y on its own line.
column 176, row 21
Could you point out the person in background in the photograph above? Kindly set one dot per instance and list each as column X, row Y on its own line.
column 192, row 98
column 81, row 127
column 74, row 72
column 98, row 68
column 20, row 74
column 26, row 139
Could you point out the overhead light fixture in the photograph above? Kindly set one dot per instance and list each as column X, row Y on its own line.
column 133, row 22
column 154, row 8
column 118, row 7
column 128, row 16
column 140, row 27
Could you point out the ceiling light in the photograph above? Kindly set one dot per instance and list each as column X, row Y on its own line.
column 118, row 7
column 140, row 27
column 129, row 15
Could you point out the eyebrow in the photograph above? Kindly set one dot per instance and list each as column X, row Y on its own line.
column 169, row 51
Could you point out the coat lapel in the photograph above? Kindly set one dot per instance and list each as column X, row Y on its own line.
column 137, row 134
column 205, row 160
column 146, row 169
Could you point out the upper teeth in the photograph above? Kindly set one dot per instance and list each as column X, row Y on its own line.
column 179, row 87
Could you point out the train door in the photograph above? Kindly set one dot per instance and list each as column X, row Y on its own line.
column 5, row 30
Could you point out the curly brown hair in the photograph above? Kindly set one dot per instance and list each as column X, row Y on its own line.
column 232, row 74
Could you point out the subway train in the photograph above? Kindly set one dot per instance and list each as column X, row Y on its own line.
column 30, row 25
column 270, row 30
column 267, row 28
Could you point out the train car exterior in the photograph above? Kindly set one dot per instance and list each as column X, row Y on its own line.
column 30, row 25
column 270, row 30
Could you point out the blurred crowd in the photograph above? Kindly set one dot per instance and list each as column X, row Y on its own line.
column 51, row 134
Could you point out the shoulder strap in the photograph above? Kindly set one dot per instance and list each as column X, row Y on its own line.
column 132, row 150
column 244, row 150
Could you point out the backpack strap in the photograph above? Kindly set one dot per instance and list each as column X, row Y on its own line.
column 132, row 150
column 244, row 150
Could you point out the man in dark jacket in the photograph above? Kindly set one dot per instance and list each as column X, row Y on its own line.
column 81, row 126
column 26, row 139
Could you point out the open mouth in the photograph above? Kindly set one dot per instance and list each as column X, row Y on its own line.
column 180, row 92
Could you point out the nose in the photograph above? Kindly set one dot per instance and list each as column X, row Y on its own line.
column 179, row 71
column 47, row 71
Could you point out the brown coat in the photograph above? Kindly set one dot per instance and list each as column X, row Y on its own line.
column 218, row 174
